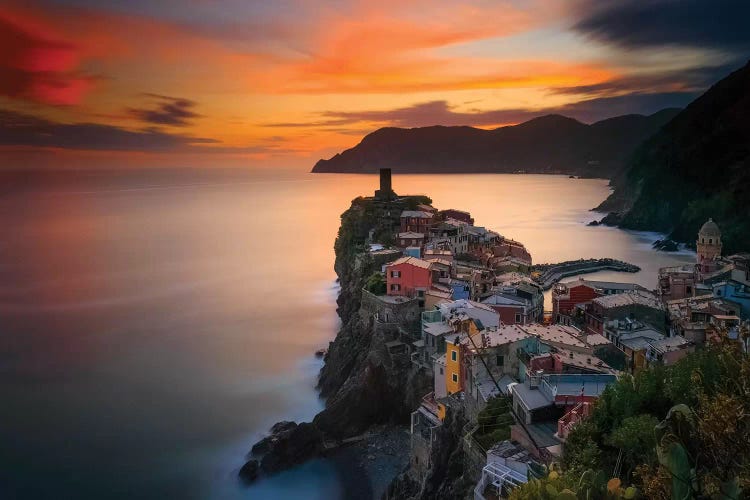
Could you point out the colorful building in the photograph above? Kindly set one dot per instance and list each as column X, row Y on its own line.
column 408, row 277
column 566, row 296
column 639, row 304
column 460, row 215
column 416, row 221
column 410, row 239
column 520, row 303
column 453, row 373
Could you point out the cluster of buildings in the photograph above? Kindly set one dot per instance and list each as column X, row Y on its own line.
column 483, row 334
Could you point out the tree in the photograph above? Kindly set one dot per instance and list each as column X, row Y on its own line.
column 637, row 439
column 376, row 284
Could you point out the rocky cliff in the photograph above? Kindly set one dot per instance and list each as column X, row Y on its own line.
column 696, row 167
column 363, row 384
column 445, row 477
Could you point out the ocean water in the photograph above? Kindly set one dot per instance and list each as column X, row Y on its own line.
column 153, row 325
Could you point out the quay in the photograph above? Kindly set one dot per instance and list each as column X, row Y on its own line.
column 546, row 275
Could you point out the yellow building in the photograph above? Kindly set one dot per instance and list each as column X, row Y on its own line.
column 453, row 379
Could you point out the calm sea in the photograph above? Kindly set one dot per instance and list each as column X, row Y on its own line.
column 154, row 325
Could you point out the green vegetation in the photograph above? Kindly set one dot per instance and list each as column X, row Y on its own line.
column 412, row 201
column 590, row 485
column 376, row 284
column 494, row 422
column 679, row 431
column 352, row 231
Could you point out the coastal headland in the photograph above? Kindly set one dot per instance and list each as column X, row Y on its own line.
column 398, row 258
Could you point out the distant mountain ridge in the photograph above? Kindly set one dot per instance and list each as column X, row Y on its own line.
column 548, row 144
column 696, row 167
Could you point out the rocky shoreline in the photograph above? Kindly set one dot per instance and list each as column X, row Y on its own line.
column 367, row 390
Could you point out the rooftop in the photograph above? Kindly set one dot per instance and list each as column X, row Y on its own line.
column 532, row 398
column 499, row 298
column 505, row 334
column 668, row 344
column 437, row 329
column 630, row 298
column 639, row 339
column 411, row 235
column 604, row 285
column 511, row 450
column 596, row 339
column 586, row 361
column 556, row 333
column 413, row 261
column 416, row 214
column 434, row 251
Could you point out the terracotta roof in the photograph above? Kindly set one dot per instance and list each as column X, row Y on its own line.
column 413, row 261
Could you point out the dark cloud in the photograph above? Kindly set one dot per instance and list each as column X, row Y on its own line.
column 174, row 111
column 640, row 24
column 426, row 114
column 17, row 129
column 38, row 69
column 688, row 81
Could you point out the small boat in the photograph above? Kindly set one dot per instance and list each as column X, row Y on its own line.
column 320, row 353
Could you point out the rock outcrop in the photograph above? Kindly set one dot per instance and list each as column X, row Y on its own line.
column 288, row 444
column 364, row 384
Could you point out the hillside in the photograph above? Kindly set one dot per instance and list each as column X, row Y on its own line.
column 548, row 144
column 697, row 166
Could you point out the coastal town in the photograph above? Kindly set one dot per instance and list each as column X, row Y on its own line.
column 465, row 306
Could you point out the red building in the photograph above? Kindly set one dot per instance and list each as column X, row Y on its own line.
column 460, row 215
column 408, row 276
column 566, row 296
column 415, row 221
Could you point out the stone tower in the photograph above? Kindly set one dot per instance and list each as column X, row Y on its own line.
column 386, row 191
column 708, row 245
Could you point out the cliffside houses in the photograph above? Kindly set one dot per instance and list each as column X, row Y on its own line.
column 416, row 221
column 460, row 306
column 568, row 295
column 517, row 302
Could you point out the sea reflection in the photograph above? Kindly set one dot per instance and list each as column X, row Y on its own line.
column 152, row 326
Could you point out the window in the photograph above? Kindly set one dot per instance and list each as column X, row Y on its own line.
column 500, row 360
column 441, row 371
column 395, row 274
column 454, row 377
column 453, row 356
column 395, row 287
column 710, row 241
column 518, row 317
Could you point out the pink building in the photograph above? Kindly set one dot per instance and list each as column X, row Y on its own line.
column 408, row 276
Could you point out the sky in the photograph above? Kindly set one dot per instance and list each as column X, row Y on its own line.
column 106, row 83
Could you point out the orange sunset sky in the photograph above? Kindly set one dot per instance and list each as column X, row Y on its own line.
column 194, row 83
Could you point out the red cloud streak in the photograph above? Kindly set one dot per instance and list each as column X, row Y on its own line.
column 37, row 66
